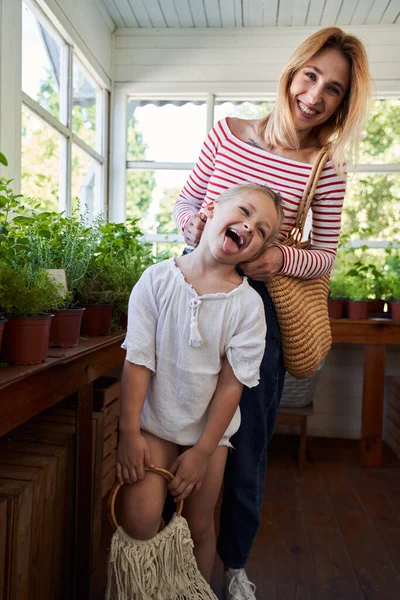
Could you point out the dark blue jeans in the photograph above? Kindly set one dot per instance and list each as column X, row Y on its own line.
column 246, row 466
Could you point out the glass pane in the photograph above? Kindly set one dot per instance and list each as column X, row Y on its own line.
column 167, row 133
column 84, row 181
column 242, row 110
column 40, row 161
column 151, row 196
column 372, row 206
column 381, row 141
column 85, row 106
column 40, row 63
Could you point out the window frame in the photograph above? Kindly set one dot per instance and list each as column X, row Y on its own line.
column 67, row 136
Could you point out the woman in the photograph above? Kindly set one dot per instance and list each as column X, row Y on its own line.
column 322, row 100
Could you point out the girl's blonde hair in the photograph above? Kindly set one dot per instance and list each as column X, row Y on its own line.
column 342, row 131
column 235, row 191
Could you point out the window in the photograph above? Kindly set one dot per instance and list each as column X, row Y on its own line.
column 159, row 164
column 241, row 110
column 372, row 205
column 63, row 121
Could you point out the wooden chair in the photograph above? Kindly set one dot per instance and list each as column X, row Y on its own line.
column 297, row 416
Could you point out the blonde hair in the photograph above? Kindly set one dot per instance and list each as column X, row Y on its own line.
column 235, row 191
column 341, row 133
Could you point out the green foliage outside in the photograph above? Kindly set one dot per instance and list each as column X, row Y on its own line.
column 41, row 148
column 139, row 184
column 372, row 204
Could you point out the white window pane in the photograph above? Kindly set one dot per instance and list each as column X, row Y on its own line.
column 40, row 63
column 40, row 161
column 381, row 140
column 242, row 110
column 167, row 133
column 85, row 182
column 86, row 106
column 372, row 206
column 151, row 195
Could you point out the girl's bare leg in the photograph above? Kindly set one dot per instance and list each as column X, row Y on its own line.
column 140, row 504
column 199, row 509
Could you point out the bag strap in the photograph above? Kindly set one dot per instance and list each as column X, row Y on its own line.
column 111, row 501
column 296, row 234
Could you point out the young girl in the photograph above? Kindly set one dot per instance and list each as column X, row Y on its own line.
column 196, row 335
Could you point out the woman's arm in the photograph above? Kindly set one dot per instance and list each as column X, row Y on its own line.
column 326, row 223
column 190, row 467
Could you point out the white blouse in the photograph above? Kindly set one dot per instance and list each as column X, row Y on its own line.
column 183, row 338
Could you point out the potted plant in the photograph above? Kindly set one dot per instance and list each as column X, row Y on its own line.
column 392, row 281
column 357, row 290
column 119, row 260
column 66, row 243
column 336, row 298
column 26, row 291
column 26, row 296
column 394, row 296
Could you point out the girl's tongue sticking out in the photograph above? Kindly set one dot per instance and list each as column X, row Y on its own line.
column 233, row 241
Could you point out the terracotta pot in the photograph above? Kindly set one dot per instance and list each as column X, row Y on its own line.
column 376, row 306
column 96, row 319
column 357, row 310
column 65, row 327
column 2, row 325
column 395, row 308
column 26, row 339
column 336, row 308
column 123, row 320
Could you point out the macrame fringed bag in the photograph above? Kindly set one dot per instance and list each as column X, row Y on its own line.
column 302, row 304
column 163, row 568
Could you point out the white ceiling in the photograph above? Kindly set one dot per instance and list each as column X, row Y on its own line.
column 251, row 13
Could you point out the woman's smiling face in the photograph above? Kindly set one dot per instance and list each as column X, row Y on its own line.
column 318, row 88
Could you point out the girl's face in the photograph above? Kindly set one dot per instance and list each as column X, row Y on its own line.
column 318, row 88
column 238, row 228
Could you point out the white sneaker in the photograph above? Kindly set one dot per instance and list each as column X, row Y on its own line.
column 237, row 586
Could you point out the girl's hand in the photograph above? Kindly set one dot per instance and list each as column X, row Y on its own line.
column 133, row 456
column 194, row 230
column 265, row 266
column 189, row 470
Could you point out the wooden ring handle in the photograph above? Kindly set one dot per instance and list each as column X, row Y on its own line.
column 111, row 502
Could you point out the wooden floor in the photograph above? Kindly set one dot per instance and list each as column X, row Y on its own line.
column 330, row 532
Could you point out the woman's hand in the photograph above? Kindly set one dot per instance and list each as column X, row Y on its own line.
column 189, row 470
column 265, row 266
column 133, row 456
column 194, row 230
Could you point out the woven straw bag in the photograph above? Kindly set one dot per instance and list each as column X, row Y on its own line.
column 302, row 304
column 163, row 568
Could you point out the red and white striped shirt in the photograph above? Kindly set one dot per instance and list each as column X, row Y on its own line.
column 226, row 160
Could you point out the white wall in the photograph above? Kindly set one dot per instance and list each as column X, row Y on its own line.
column 232, row 61
column 338, row 395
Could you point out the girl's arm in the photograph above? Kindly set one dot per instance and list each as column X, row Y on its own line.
column 133, row 452
column 190, row 467
column 222, row 408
